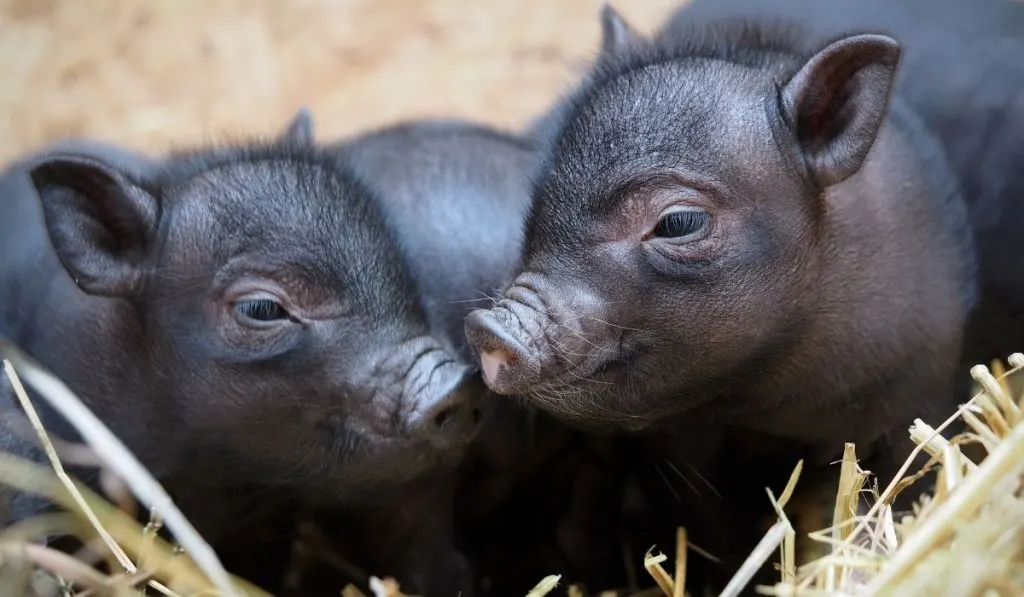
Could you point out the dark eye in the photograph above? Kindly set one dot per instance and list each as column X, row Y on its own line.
column 681, row 223
column 262, row 309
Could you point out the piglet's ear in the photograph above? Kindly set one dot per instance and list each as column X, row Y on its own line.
column 100, row 223
column 300, row 129
column 838, row 101
column 616, row 33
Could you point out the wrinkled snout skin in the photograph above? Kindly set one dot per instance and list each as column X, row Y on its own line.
column 578, row 350
column 438, row 396
column 543, row 334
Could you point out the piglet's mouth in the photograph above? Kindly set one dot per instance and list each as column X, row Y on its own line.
column 507, row 365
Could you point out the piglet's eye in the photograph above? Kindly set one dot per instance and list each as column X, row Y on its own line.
column 262, row 309
column 681, row 223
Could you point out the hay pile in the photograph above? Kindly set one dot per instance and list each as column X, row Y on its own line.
column 965, row 539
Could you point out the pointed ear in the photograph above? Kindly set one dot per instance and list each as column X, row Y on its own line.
column 100, row 223
column 838, row 101
column 300, row 129
column 616, row 33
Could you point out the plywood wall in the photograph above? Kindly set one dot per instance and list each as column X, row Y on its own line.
column 157, row 73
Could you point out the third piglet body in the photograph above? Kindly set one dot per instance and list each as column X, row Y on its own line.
column 455, row 195
column 744, row 250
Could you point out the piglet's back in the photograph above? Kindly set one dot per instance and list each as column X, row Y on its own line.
column 455, row 194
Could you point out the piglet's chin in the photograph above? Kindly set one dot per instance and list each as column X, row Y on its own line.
column 505, row 362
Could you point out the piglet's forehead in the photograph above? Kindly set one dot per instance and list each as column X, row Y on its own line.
column 278, row 189
column 296, row 216
column 694, row 117
column 274, row 198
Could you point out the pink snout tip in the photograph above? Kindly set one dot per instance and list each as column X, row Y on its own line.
column 492, row 362
column 505, row 364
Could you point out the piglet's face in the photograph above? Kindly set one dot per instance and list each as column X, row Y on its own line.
column 677, row 233
column 274, row 315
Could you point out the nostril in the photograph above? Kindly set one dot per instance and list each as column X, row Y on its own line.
column 448, row 415
column 450, row 426
column 452, row 417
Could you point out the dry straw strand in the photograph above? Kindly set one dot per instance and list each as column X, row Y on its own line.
column 1005, row 460
column 653, row 566
column 934, row 444
column 788, row 550
column 846, row 494
column 118, row 457
column 762, row 552
column 891, row 488
column 31, row 477
column 545, row 586
column 974, row 507
column 679, row 588
column 997, row 392
column 37, row 424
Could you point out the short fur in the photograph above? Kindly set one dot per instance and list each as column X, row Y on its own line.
column 962, row 74
column 824, row 302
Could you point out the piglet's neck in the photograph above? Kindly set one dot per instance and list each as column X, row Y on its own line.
column 115, row 381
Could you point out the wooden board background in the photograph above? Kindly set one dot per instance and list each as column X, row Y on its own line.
column 153, row 74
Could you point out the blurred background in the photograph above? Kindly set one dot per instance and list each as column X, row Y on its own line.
column 163, row 73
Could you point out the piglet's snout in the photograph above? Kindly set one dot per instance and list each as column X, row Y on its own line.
column 504, row 361
column 444, row 403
